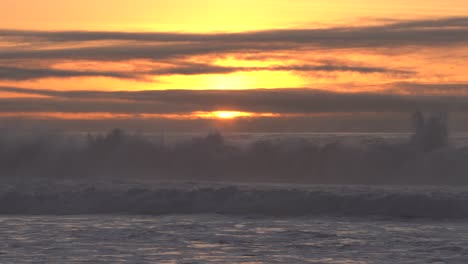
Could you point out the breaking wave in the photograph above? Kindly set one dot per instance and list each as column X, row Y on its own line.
column 284, row 200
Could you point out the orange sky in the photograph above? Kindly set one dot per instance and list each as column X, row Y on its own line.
column 213, row 15
column 367, row 46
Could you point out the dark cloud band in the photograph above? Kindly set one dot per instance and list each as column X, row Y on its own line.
column 154, row 46
column 22, row 74
column 283, row 101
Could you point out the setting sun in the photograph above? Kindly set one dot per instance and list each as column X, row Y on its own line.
column 229, row 114
column 223, row 114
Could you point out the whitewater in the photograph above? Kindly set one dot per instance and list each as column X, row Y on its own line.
column 186, row 222
column 263, row 199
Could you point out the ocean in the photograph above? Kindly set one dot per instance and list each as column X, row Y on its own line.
column 124, row 199
column 210, row 238
column 77, row 222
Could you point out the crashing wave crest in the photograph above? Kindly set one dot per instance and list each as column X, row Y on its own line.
column 411, row 202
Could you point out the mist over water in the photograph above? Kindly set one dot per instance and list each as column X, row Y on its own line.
column 427, row 157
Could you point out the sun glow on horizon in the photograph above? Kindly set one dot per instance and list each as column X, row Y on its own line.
column 214, row 115
column 229, row 114
column 226, row 115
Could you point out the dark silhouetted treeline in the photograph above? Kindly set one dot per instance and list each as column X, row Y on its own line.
column 426, row 158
